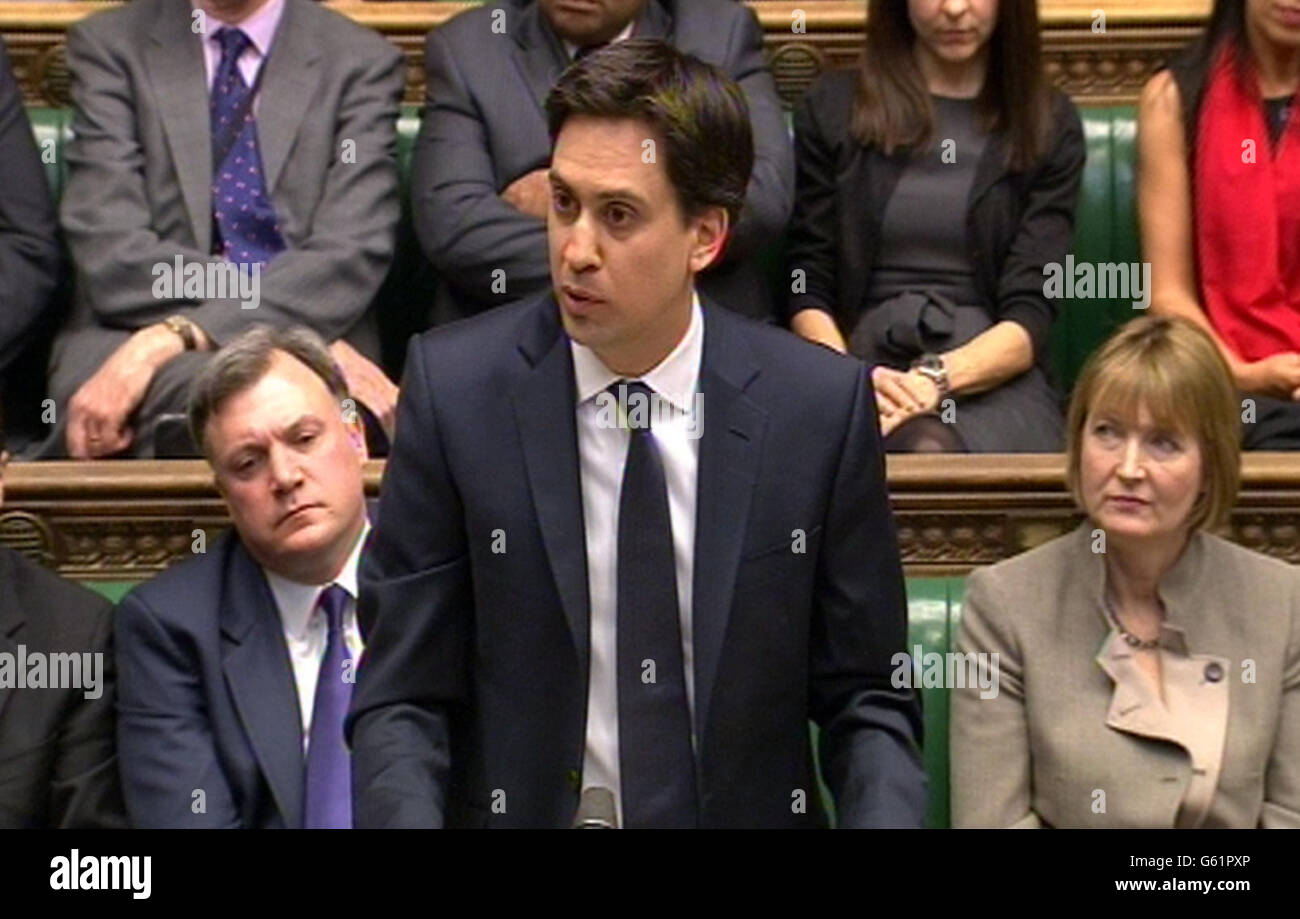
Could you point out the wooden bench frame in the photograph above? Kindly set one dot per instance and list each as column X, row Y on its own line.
column 1101, row 68
column 126, row 519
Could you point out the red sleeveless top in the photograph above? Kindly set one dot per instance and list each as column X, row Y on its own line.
column 1247, row 216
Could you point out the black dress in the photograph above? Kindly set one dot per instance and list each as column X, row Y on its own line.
column 923, row 294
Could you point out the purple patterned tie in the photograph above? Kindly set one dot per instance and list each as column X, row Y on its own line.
column 245, row 226
column 329, row 770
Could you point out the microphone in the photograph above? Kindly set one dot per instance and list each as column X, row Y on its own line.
column 596, row 810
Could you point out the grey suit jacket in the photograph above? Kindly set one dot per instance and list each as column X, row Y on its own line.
column 140, row 173
column 484, row 127
column 1075, row 737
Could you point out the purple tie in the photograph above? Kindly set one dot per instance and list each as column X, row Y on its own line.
column 329, row 770
column 245, row 226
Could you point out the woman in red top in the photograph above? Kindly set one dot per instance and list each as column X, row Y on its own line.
column 1219, row 202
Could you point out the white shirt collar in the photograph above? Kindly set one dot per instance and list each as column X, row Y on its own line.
column 675, row 378
column 260, row 27
column 572, row 49
column 297, row 601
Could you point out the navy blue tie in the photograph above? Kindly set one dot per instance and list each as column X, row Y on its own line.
column 329, row 770
column 245, row 230
column 656, row 760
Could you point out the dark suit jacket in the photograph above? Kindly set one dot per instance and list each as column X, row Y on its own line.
column 30, row 257
column 1016, row 222
column 140, row 176
column 484, row 126
column 207, row 697
column 57, row 762
column 475, row 675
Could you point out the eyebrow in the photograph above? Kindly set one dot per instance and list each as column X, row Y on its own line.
column 285, row 432
column 558, row 181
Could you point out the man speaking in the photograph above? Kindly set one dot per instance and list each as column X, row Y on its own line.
column 629, row 543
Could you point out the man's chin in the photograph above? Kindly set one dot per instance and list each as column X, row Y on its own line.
column 580, row 328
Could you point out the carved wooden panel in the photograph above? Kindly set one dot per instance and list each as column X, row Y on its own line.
column 125, row 520
column 803, row 39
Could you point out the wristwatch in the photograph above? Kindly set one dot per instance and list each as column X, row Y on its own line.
column 931, row 366
column 185, row 329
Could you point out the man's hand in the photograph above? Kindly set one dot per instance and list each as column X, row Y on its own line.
column 369, row 384
column 530, row 194
column 901, row 395
column 99, row 412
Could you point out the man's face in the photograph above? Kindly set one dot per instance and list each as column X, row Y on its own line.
column 289, row 467
column 590, row 22
column 623, row 256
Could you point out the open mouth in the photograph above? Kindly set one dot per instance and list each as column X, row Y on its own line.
column 579, row 300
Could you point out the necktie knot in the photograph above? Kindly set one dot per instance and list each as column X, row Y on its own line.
column 585, row 50
column 332, row 601
column 233, row 42
column 635, row 403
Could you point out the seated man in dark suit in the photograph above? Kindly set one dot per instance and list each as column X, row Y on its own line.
column 58, row 767
column 629, row 542
column 237, row 666
column 478, row 184
column 244, row 173
column 30, row 259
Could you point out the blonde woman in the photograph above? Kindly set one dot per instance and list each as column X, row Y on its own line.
column 1148, row 671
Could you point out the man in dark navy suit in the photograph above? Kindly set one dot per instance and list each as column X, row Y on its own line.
column 58, row 762
column 630, row 542
column 237, row 666
column 478, row 176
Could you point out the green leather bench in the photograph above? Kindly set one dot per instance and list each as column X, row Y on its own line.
column 1106, row 232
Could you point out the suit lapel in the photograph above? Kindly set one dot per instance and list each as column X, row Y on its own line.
column 290, row 81
column 174, row 58
column 989, row 170
column 545, row 412
column 11, row 619
column 539, row 54
column 730, row 448
column 255, row 660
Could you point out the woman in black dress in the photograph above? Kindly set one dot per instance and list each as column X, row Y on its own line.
column 935, row 184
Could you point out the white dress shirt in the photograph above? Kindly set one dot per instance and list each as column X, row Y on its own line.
column 306, row 629
column 602, row 454
column 260, row 28
column 572, row 49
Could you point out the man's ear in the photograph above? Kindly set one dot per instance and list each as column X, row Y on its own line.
column 709, row 233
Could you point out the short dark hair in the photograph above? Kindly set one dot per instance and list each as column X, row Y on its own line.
column 245, row 360
column 698, row 111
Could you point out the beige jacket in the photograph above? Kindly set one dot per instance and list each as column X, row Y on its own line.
column 1075, row 737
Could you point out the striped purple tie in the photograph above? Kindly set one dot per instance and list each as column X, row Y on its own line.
column 329, row 769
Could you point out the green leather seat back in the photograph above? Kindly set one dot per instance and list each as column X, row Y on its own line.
column 52, row 128
column 1105, row 231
